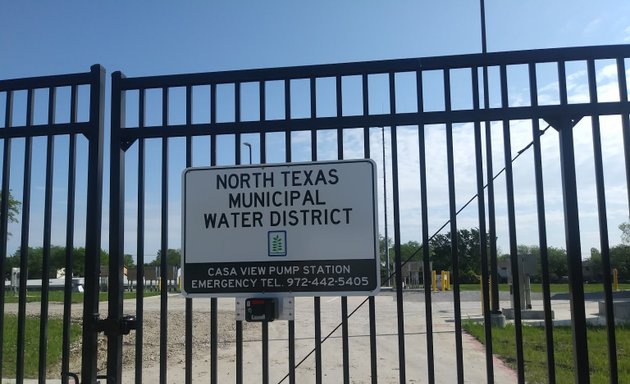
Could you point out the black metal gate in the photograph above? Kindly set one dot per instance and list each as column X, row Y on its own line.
column 296, row 110
column 41, row 115
column 440, row 125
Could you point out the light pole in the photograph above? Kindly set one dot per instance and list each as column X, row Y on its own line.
column 387, row 264
column 249, row 148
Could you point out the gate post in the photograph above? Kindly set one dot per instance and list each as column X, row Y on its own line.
column 93, row 223
column 116, row 232
column 564, row 126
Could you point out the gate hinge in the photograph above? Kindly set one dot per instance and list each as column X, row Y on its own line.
column 112, row 327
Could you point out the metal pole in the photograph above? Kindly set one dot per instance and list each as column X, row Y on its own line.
column 387, row 263
column 249, row 149
column 494, row 274
column 484, row 45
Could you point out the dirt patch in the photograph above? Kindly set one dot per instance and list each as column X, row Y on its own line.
column 176, row 339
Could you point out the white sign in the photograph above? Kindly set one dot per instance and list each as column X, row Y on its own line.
column 294, row 229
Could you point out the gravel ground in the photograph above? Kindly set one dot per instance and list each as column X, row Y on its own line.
column 332, row 358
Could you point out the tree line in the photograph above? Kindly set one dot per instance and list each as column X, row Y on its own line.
column 57, row 260
column 468, row 248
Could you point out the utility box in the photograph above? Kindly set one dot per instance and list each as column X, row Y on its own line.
column 265, row 308
column 260, row 309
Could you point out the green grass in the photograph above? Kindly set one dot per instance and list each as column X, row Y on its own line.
column 554, row 288
column 535, row 352
column 57, row 296
column 31, row 351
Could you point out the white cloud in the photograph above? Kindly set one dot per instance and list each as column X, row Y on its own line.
column 592, row 26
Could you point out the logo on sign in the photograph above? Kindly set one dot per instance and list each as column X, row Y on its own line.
column 277, row 243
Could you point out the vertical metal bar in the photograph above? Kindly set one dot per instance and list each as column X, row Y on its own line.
column 287, row 114
column 237, row 158
column 371, row 300
column 344, row 335
column 492, row 226
column 262, row 99
column 373, row 356
column 263, row 117
column 164, row 248
column 43, row 322
column 94, row 213
column 625, row 120
column 453, row 231
column 239, row 352
column 482, row 9
column 388, row 271
column 400, row 312
column 572, row 235
column 140, row 240
column 318, row 339
column 237, row 119
column 4, row 213
column 287, row 144
column 140, row 258
column 213, row 302
column 189, row 302
column 483, row 239
column 214, row 337
column 291, row 351
column 26, row 206
column 70, row 202
column 116, row 231
column 424, row 208
column 344, row 300
column 265, row 352
column 494, row 274
column 603, row 229
column 542, row 229
column 509, row 186
column 316, row 300
column 263, row 160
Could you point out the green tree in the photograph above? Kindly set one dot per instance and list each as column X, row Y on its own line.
column 558, row 264
column 128, row 260
column 34, row 262
column 57, row 261
column 173, row 257
column 625, row 232
column 595, row 263
column 468, row 251
column 14, row 208
column 620, row 259
column 441, row 252
column 410, row 251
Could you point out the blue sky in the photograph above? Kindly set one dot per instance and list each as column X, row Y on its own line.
column 155, row 37
column 164, row 37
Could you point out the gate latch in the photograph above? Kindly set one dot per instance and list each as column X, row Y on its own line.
column 111, row 327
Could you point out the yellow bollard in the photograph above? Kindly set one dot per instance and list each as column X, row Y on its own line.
column 448, row 273
column 490, row 293
column 615, row 280
column 434, row 280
